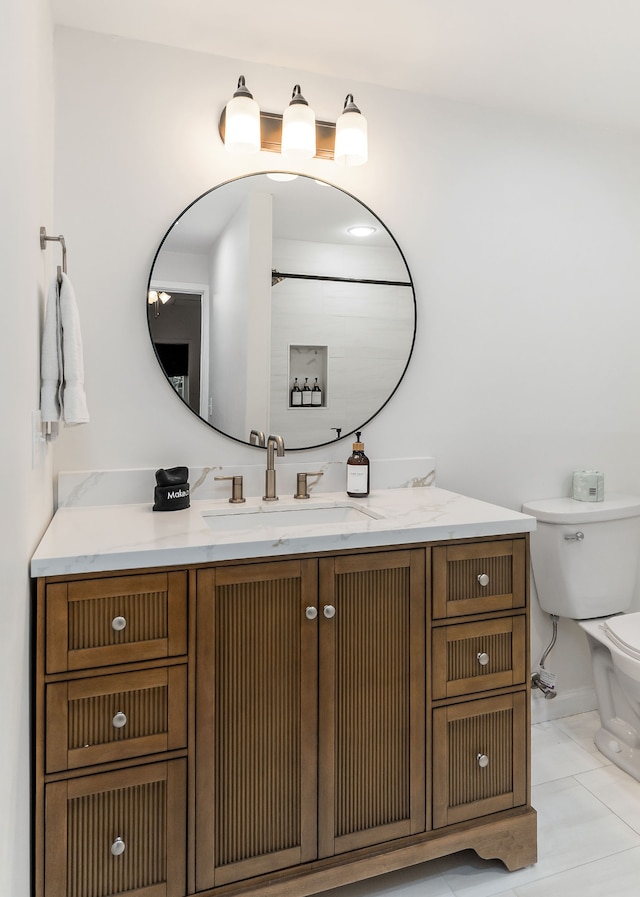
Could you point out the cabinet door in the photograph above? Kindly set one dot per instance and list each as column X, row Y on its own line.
column 117, row 833
column 371, row 681
column 256, row 738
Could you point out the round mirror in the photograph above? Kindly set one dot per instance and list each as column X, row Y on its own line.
column 281, row 306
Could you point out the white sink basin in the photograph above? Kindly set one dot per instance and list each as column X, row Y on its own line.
column 226, row 520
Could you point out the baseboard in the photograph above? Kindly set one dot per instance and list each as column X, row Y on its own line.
column 567, row 703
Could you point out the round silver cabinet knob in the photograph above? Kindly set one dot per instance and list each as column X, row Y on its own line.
column 329, row 611
column 118, row 847
column 483, row 579
column 118, row 624
column 119, row 720
column 311, row 613
column 483, row 760
column 483, row 658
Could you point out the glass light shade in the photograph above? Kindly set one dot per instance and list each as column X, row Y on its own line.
column 242, row 125
column 351, row 139
column 298, row 128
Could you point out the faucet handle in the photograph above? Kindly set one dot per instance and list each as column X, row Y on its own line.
column 236, row 489
column 301, row 484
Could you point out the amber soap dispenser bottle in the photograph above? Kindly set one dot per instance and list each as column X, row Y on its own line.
column 358, row 470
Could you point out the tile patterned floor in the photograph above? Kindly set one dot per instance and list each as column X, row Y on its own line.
column 588, row 831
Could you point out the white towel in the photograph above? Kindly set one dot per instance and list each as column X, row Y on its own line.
column 51, row 358
column 62, row 366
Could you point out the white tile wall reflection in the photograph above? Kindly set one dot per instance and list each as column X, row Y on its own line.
column 588, row 831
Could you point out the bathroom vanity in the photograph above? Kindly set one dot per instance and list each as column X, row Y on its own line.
column 277, row 707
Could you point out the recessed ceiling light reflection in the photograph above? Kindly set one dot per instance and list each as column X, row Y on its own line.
column 281, row 176
column 361, row 230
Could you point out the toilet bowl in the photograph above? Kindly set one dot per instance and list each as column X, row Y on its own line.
column 584, row 558
column 616, row 674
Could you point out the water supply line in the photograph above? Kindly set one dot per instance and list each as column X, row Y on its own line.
column 543, row 679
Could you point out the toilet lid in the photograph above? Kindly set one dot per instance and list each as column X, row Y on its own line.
column 624, row 631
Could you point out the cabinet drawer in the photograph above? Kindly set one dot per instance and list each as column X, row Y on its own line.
column 479, row 758
column 119, row 619
column 478, row 578
column 115, row 717
column 121, row 832
column 472, row 657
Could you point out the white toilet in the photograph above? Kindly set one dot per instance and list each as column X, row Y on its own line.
column 584, row 557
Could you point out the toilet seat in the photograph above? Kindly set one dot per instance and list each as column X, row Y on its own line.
column 624, row 632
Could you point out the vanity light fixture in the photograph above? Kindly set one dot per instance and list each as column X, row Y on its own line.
column 242, row 127
column 296, row 134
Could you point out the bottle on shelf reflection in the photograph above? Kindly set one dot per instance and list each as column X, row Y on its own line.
column 296, row 394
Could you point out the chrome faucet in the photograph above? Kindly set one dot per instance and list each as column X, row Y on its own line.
column 256, row 437
column 275, row 446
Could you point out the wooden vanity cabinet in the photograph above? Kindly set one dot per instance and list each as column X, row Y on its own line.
column 291, row 724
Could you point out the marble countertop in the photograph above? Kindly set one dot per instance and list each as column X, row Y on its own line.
column 133, row 536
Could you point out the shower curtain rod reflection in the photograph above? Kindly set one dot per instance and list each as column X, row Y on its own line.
column 44, row 239
column 279, row 276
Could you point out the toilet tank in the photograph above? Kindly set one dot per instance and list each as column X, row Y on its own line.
column 592, row 576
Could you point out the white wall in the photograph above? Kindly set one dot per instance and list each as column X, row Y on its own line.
column 26, row 182
column 521, row 235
